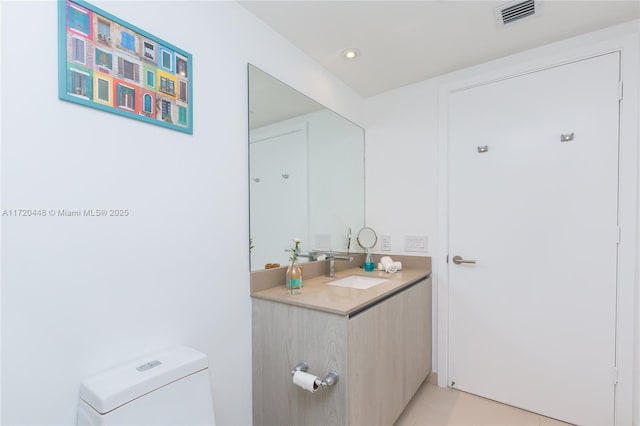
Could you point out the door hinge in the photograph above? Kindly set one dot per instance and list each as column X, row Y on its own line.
column 615, row 375
column 619, row 236
column 620, row 91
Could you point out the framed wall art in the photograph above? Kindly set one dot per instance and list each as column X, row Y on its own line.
column 109, row 64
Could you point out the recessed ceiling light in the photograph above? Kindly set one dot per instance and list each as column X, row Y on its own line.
column 350, row 53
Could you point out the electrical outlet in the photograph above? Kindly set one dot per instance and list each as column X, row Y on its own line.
column 385, row 242
column 415, row 243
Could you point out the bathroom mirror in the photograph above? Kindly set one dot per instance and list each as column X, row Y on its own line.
column 306, row 174
column 367, row 238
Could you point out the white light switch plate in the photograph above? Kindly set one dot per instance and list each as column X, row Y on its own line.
column 385, row 242
column 416, row 243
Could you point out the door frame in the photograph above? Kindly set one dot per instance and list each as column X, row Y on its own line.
column 621, row 38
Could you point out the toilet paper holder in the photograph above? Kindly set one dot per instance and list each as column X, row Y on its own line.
column 330, row 379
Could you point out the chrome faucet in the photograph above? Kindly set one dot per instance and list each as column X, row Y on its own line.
column 331, row 262
column 312, row 255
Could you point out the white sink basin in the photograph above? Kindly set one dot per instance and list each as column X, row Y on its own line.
column 358, row 281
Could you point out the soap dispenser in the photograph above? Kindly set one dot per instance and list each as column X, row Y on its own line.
column 368, row 262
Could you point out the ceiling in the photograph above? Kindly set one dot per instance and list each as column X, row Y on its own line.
column 263, row 89
column 403, row 42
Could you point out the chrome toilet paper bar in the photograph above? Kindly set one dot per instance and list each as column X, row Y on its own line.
column 330, row 379
column 301, row 366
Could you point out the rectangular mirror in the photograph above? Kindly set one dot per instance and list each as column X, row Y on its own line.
column 306, row 174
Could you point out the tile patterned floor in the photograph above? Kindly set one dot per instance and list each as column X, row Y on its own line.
column 433, row 406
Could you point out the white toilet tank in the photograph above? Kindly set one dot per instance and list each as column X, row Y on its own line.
column 167, row 388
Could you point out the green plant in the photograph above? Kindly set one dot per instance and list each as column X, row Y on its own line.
column 295, row 251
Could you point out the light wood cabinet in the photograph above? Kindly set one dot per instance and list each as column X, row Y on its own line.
column 382, row 354
column 389, row 355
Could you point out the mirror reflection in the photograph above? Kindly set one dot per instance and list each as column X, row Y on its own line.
column 306, row 174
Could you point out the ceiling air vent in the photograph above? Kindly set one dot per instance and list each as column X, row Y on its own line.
column 516, row 10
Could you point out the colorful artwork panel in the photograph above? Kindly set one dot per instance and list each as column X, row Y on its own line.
column 111, row 65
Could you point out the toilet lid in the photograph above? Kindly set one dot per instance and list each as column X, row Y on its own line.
column 115, row 387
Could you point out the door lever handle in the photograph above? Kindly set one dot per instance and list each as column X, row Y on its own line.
column 458, row 260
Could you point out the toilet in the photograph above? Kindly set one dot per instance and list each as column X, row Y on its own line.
column 167, row 388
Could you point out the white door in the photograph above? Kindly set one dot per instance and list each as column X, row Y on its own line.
column 278, row 193
column 532, row 323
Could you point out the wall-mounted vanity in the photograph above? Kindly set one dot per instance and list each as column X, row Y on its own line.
column 306, row 178
column 377, row 339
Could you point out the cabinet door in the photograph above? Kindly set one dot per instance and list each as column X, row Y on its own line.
column 389, row 355
column 418, row 343
column 283, row 335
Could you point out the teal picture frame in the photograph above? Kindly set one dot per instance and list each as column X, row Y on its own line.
column 109, row 64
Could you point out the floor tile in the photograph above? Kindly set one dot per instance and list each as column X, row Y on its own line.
column 547, row 421
column 433, row 406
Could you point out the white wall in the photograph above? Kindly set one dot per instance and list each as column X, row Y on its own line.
column 403, row 130
column 401, row 153
column 82, row 294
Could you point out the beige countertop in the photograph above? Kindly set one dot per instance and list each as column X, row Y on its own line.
column 316, row 294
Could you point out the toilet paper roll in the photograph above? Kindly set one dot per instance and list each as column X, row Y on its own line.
column 306, row 381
